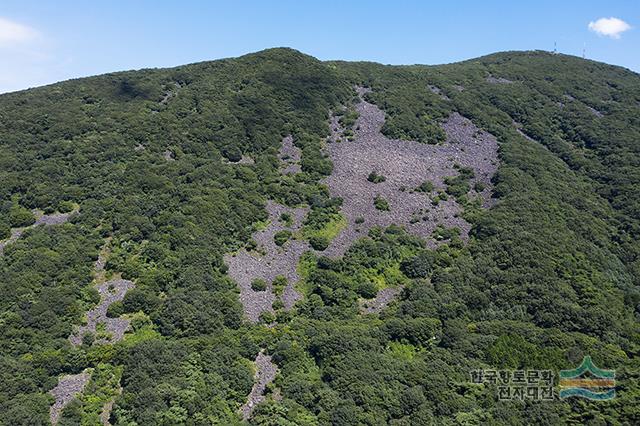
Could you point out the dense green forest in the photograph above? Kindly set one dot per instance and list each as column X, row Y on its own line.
column 551, row 272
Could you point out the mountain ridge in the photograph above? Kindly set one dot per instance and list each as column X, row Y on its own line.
column 497, row 55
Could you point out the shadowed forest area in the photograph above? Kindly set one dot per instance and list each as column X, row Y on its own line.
column 167, row 171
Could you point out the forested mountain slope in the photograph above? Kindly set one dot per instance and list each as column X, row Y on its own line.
column 251, row 209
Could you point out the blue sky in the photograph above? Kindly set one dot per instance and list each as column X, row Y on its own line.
column 46, row 41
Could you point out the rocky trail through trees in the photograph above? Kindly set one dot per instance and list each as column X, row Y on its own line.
column 111, row 291
column 41, row 220
column 265, row 373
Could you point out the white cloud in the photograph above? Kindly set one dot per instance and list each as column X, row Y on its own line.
column 610, row 27
column 13, row 33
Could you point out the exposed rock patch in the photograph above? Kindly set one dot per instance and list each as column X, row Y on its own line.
column 266, row 372
column 290, row 157
column 41, row 219
column 498, row 80
column 381, row 301
column 170, row 93
column 595, row 112
column 246, row 160
column 405, row 166
column 438, row 92
column 68, row 387
column 168, row 155
column 244, row 267
column 110, row 292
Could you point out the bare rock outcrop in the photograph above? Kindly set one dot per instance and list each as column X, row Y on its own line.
column 498, row 80
column 438, row 91
column 290, row 157
column 41, row 220
column 245, row 266
column 381, row 301
column 110, row 292
column 266, row 372
column 68, row 387
column 405, row 166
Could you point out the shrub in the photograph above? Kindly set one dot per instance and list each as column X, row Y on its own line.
column 140, row 300
column 251, row 245
column 425, row 186
column 232, row 153
column 319, row 242
column 5, row 231
column 420, row 266
column 281, row 237
column 442, row 233
column 479, row 186
column 115, row 309
column 367, row 289
column 286, row 219
column 19, row 216
column 258, row 284
column 279, row 283
column 65, row 206
column 376, row 178
column 267, row 317
column 381, row 204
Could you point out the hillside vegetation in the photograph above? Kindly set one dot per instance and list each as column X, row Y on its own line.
column 172, row 170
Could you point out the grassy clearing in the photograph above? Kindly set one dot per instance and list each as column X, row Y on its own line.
column 326, row 232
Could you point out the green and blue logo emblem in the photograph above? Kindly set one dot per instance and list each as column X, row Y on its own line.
column 588, row 381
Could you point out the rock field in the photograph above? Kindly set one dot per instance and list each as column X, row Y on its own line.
column 405, row 165
column 41, row 220
column 266, row 371
column 67, row 389
column 246, row 266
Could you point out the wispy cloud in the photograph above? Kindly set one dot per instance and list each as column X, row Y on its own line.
column 27, row 59
column 13, row 33
column 609, row 27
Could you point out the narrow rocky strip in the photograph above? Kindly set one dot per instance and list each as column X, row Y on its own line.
column 41, row 220
column 67, row 389
column 170, row 93
column 290, row 157
column 114, row 328
column 381, row 301
column 106, row 410
column 15, row 234
column 266, row 372
column 498, row 80
column 244, row 160
column 269, row 261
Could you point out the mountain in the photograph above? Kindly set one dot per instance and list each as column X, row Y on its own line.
column 273, row 239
